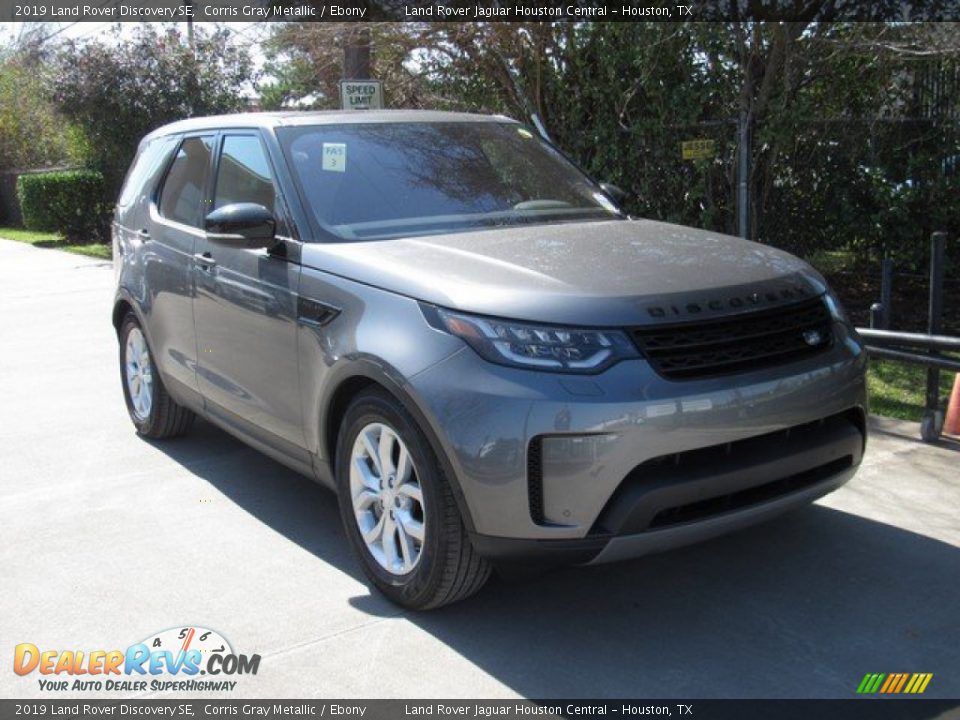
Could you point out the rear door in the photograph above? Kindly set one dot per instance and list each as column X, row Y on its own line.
column 170, row 233
column 245, row 309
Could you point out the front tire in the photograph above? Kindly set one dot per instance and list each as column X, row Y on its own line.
column 153, row 412
column 398, row 509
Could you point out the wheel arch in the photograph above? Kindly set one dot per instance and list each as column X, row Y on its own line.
column 120, row 309
column 124, row 303
column 364, row 375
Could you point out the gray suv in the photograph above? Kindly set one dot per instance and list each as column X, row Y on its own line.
column 442, row 319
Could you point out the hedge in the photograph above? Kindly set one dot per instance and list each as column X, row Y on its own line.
column 65, row 201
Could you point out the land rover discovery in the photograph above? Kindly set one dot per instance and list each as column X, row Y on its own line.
column 445, row 321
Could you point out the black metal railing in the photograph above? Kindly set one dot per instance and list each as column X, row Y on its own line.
column 923, row 349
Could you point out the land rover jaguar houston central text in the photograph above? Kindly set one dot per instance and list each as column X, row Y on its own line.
column 449, row 324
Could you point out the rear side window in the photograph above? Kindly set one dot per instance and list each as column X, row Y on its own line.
column 148, row 162
column 243, row 175
column 182, row 196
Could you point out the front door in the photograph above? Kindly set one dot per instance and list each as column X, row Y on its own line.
column 245, row 311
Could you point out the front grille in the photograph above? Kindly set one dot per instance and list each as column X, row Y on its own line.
column 729, row 345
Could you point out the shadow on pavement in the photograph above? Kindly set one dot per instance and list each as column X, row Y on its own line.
column 803, row 606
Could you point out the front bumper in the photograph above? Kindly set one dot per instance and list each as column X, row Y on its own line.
column 682, row 499
column 563, row 467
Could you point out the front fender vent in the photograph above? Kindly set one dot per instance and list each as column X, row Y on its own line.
column 317, row 314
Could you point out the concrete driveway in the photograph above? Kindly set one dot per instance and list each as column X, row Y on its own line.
column 106, row 538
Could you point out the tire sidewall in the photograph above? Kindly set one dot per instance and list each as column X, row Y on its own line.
column 414, row 588
column 146, row 425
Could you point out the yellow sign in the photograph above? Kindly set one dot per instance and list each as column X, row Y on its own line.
column 698, row 149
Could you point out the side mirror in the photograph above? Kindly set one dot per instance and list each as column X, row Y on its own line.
column 618, row 195
column 241, row 225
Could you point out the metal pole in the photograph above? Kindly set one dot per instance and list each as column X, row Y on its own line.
column 743, row 186
column 188, row 4
column 876, row 316
column 356, row 56
column 933, row 417
column 903, row 339
column 886, row 292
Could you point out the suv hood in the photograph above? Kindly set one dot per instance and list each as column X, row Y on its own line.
column 612, row 273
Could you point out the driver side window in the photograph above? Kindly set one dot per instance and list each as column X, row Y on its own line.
column 243, row 175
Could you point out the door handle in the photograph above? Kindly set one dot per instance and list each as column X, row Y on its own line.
column 205, row 261
column 143, row 234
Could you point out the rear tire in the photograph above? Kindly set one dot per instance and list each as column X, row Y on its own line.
column 390, row 484
column 153, row 412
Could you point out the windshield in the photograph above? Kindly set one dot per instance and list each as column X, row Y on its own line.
column 380, row 180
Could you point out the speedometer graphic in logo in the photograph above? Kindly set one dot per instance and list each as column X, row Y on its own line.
column 188, row 650
column 181, row 640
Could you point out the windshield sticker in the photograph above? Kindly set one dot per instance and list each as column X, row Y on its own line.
column 524, row 133
column 335, row 157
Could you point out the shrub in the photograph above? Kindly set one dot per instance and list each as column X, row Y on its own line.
column 65, row 201
column 118, row 90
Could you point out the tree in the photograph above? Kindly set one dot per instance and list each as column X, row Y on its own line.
column 31, row 133
column 854, row 135
column 116, row 93
column 306, row 63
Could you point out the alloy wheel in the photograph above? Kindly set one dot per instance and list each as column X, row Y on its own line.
column 139, row 374
column 387, row 498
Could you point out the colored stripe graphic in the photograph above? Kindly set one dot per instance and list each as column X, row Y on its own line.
column 894, row 683
column 870, row 683
column 918, row 683
column 903, row 681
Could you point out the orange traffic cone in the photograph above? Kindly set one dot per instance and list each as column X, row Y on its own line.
column 951, row 426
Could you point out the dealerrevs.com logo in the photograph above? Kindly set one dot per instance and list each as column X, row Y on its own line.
column 178, row 659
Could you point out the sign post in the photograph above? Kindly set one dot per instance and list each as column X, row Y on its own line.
column 361, row 94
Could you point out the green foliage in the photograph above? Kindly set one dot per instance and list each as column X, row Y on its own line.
column 305, row 62
column 899, row 390
column 67, row 202
column 852, row 150
column 854, row 141
column 31, row 133
column 292, row 86
column 855, row 144
column 53, row 241
column 116, row 93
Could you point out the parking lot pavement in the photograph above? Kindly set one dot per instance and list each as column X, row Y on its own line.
column 106, row 538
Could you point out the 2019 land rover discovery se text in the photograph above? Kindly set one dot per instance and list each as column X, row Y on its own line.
column 445, row 321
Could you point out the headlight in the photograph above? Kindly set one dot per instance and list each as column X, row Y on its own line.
column 539, row 347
